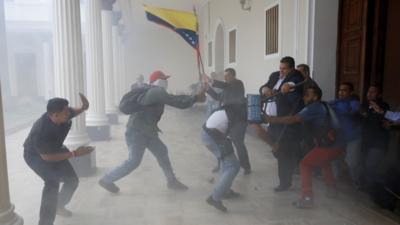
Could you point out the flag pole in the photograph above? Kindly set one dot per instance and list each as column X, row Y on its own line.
column 200, row 64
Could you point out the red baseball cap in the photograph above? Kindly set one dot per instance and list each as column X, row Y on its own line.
column 158, row 75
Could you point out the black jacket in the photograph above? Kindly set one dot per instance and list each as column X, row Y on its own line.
column 231, row 99
column 374, row 134
column 290, row 103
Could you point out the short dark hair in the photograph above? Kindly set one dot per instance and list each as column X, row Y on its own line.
column 305, row 67
column 377, row 86
column 231, row 71
column 288, row 61
column 56, row 105
column 316, row 90
column 348, row 84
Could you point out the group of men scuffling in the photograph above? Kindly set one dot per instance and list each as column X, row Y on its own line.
column 301, row 129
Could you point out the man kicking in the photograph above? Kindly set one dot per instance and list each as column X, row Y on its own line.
column 142, row 132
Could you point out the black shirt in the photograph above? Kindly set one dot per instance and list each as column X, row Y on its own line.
column 47, row 137
column 374, row 134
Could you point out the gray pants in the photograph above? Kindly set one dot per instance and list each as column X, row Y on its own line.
column 353, row 160
column 137, row 143
column 237, row 135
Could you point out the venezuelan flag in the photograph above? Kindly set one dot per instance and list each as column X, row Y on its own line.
column 183, row 23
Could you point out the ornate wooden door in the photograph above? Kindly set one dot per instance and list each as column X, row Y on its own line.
column 352, row 43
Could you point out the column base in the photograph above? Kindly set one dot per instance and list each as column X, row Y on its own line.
column 9, row 217
column 113, row 118
column 99, row 133
column 85, row 166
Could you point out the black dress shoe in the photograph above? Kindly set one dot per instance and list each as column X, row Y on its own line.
column 216, row 204
column 247, row 171
column 231, row 194
column 111, row 187
column 282, row 188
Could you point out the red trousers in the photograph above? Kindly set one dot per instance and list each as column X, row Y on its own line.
column 317, row 157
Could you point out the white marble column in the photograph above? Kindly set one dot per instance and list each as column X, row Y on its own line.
column 116, row 63
column 96, row 119
column 68, row 73
column 109, row 89
column 121, row 79
column 7, row 214
column 4, row 73
column 128, row 74
column 123, row 68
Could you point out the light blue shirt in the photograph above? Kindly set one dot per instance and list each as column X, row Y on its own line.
column 392, row 116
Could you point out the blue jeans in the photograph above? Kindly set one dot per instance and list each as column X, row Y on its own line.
column 230, row 167
column 210, row 144
column 137, row 143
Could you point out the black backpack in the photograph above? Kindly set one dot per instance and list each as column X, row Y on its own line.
column 130, row 102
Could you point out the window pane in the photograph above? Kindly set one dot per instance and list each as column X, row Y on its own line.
column 271, row 30
column 232, row 46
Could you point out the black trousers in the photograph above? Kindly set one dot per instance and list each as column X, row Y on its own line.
column 288, row 152
column 53, row 173
column 287, row 156
column 237, row 135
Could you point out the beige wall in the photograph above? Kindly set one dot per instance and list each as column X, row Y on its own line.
column 252, row 66
column 324, row 46
column 307, row 36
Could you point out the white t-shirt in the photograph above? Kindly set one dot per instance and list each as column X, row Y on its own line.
column 271, row 106
column 218, row 120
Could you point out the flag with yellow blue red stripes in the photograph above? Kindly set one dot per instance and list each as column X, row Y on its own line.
column 183, row 23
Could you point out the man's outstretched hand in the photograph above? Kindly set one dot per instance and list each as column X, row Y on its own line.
column 84, row 106
column 287, row 87
column 201, row 96
column 85, row 102
column 376, row 107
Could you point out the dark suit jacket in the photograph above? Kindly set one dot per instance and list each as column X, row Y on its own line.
column 231, row 98
column 233, row 92
column 290, row 103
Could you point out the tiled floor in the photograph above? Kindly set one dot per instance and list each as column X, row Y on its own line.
column 144, row 198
